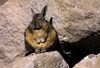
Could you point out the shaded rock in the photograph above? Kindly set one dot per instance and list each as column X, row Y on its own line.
column 44, row 60
column 89, row 62
column 2, row 2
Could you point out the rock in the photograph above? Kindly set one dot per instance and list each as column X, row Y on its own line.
column 11, row 32
column 75, row 21
column 89, row 62
column 44, row 60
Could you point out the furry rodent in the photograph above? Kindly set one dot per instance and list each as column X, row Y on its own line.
column 40, row 33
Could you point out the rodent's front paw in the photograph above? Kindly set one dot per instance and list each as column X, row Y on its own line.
column 43, row 40
column 43, row 50
column 37, row 40
column 37, row 51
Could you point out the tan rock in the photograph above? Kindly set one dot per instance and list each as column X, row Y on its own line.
column 89, row 62
column 44, row 60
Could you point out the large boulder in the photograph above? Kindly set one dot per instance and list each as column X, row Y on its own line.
column 45, row 60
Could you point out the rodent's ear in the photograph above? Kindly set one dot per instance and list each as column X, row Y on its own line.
column 43, row 12
column 51, row 20
column 32, row 11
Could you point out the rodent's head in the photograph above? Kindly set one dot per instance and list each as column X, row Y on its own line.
column 38, row 19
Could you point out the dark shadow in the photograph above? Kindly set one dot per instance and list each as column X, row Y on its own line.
column 82, row 48
column 3, row 1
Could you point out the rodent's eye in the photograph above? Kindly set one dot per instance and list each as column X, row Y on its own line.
column 40, row 18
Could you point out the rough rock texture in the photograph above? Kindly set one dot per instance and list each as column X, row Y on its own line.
column 11, row 32
column 89, row 62
column 46, row 60
column 77, row 22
